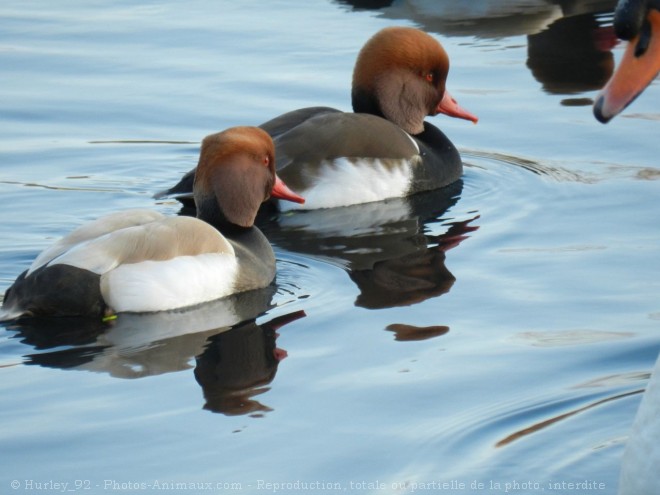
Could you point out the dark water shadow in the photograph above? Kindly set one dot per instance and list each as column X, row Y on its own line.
column 234, row 356
column 573, row 55
column 239, row 364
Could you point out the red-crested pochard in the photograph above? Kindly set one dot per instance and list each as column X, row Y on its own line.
column 143, row 261
column 384, row 148
column 639, row 22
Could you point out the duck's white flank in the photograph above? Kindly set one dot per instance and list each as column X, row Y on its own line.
column 149, row 262
column 345, row 181
column 176, row 283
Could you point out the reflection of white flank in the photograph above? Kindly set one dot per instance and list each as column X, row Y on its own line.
column 131, row 332
column 356, row 220
column 344, row 182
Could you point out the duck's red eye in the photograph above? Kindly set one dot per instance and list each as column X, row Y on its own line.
column 266, row 161
column 429, row 77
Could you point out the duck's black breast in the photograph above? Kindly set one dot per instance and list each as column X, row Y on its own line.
column 440, row 163
column 255, row 257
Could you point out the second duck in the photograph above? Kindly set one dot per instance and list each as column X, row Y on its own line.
column 384, row 148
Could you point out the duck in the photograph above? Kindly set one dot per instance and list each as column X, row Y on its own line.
column 384, row 148
column 141, row 261
column 637, row 21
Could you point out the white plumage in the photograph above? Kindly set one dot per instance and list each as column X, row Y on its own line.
column 142, row 257
column 155, row 285
column 344, row 182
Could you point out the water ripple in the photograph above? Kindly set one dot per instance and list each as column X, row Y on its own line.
column 543, row 169
column 548, row 416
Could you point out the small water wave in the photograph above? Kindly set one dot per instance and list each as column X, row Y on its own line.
column 94, row 188
column 510, row 170
column 315, row 281
column 494, row 161
column 142, row 141
column 569, row 337
column 497, row 436
column 546, row 414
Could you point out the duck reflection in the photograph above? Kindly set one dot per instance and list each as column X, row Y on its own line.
column 386, row 247
column 239, row 364
column 569, row 41
column 148, row 344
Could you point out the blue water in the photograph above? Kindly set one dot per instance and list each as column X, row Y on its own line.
column 508, row 357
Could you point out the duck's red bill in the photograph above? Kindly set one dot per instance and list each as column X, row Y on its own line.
column 449, row 106
column 282, row 191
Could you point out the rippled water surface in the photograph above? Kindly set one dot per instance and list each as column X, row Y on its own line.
column 492, row 337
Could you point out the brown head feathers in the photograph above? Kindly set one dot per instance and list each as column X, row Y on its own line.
column 400, row 73
column 235, row 174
